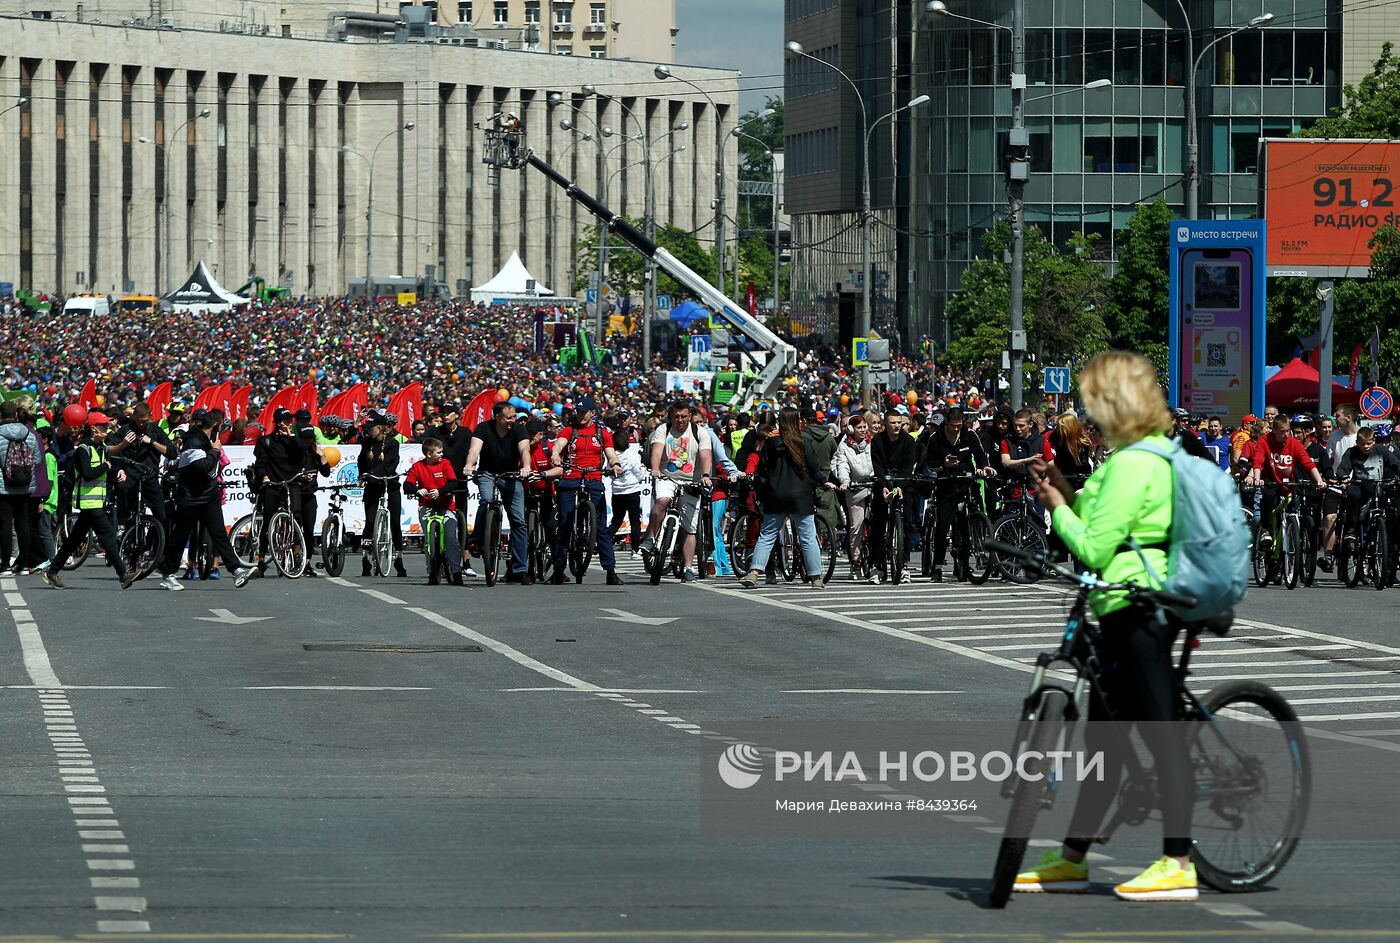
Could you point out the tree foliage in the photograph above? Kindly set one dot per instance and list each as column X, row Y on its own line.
column 1137, row 315
column 1370, row 109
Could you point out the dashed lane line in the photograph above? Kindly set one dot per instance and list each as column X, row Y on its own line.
column 99, row 830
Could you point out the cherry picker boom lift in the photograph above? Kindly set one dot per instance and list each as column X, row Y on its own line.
column 505, row 149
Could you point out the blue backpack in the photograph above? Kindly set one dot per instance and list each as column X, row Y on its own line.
column 1209, row 553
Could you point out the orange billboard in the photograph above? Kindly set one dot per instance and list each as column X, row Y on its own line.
column 1324, row 200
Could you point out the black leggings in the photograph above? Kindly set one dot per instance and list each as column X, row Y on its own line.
column 628, row 507
column 1135, row 657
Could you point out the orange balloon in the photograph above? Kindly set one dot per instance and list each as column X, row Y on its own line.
column 845, row 400
column 101, row 400
column 331, row 455
column 502, row 394
column 912, row 397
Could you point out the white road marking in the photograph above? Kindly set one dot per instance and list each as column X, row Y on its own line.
column 14, row 600
column 36, row 657
column 1211, row 679
column 1275, row 926
column 865, row 691
column 106, row 849
column 384, row 597
column 326, row 687
column 131, row 904
column 1375, row 715
column 115, row 883
column 501, row 648
column 111, row 864
column 1226, row 909
column 342, row 582
column 1365, row 698
column 86, row 687
column 101, row 833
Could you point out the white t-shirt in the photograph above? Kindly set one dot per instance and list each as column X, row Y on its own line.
column 1337, row 444
column 680, row 455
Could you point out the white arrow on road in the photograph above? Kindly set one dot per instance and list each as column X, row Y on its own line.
column 622, row 615
column 228, row 618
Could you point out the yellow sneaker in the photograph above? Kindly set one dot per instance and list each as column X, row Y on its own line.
column 1054, row 875
column 1165, row 879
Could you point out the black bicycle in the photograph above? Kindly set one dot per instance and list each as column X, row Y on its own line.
column 971, row 529
column 1021, row 525
column 1248, row 754
column 494, row 547
column 142, row 540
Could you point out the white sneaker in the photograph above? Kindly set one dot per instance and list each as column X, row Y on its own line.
column 468, row 573
column 876, row 578
column 171, row 583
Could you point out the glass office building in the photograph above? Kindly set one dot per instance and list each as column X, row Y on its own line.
column 939, row 171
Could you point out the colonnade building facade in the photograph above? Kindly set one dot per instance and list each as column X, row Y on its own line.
column 262, row 153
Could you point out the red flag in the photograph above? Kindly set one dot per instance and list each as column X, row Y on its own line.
column 407, row 404
column 88, row 397
column 1355, row 366
column 238, row 404
column 159, row 401
column 479, row 409
column 285, row 397
column 753, row 300
column 348, row 404
column 306, row 399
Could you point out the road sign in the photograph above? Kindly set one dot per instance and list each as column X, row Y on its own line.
column 663, row 302
column 1057, row 380
column 1376, row 403
column 860, row 351
column 591, row 296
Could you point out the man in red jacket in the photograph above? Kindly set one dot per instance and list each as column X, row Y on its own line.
column 1281, row 455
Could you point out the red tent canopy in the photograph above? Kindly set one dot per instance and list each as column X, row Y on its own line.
column 1296, row 387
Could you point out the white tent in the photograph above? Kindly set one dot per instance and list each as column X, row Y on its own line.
column 512, row 283
column 201, row 292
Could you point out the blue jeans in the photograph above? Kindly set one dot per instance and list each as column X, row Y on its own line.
column 721, row 556
column 569, row 494
column 804, row 526
column 513, row 495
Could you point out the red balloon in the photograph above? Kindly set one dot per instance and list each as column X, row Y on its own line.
column 75, row 415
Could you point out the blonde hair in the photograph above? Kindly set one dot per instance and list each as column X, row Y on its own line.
column 1121, row 393
column 1072, row 436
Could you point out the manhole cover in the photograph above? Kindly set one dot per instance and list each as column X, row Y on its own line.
column 386, row 649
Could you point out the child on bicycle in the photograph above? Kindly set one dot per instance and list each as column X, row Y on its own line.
column 432, row 481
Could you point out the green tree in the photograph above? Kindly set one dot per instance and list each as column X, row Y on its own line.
column 1067, row 294
column 1368, row 110
column 1137, row 315
column 760, row 136
column 626, row 265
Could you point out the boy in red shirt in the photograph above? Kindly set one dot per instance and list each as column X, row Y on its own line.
column 432, row 481
column 1282, row 454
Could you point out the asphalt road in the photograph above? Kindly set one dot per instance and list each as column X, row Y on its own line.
column 382, row 760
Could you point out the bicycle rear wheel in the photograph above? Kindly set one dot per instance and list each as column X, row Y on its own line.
column 583, row 535
column 926, row 561
column 828, row 547
column 333, row 546
column 244, row 538
column 539, row 545
column 1019, row 531
column 491, row 545
column 1307, row 553
column 743, row 531
column 202, row 553
column 1253, row 785
column 1378, row 557
column 1042, row 731
column 432, row 548
column 383, row 543
column 287, row 544
column 892, row 563
column 80, row 553
column 1356, row 571
column 787, row 551
column 979, row 558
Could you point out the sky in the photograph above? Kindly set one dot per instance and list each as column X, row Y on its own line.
column 735, row 34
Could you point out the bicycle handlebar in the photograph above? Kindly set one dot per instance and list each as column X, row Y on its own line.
column 1160, row 597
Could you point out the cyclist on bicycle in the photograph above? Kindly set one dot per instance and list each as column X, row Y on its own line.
column 432, row 481
column 379, row 459
column 586, row 444
column 1364, row 466
column 855, row 478
column 893, row 454
column 680, row 453
column 950, row 450
column 1117, row 526
column 1281, row 454
column 502, row 447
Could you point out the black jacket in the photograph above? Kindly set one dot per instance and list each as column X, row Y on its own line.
column 197, row 474
column 379, row 458
column 783, row 487
column 279, row 457
column 894, row 459
column 968, row 449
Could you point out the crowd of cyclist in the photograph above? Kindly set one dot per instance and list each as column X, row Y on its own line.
column 842, row 476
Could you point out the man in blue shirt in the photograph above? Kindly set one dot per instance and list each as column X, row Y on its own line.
column 1217, row 442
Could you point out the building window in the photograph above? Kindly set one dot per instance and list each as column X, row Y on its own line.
column 597, row 52
column 502, row 12
column 1040, row 55
column 464, row 11
column 598, row 14
column 564, row 50
column 1069, row 57
column 564, row 13
column 532, row 11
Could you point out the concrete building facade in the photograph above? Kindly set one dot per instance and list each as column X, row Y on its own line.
column 938, row 171
column 276, row 180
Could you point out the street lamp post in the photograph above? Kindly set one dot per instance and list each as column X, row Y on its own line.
column 1193, row 151
column 664, row 72
column 369, row 204
column 773, row 163
column 165, row 193
column 738, row 236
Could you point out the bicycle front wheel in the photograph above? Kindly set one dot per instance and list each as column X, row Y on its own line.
column 1045, row 729
column 1289, row 553
column 383, row 543
column 333, row 546
column 893, row 560
column 787, row 551
column 828, row 547
column 244, row 538
column 142, row 546
column 80, row 553
column 1307, row 553
column 660, row 557
column 743, row 532
column 491, row 546
column 1378, row 560
column 584, row 535
column 539, row 545
column 1253, row 784
column 1019, row 531
column 287, row 544
column 979, row 558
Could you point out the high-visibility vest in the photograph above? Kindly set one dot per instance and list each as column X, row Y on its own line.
column 90, row 495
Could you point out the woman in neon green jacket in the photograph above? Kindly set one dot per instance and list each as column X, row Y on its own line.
column 1128, row 498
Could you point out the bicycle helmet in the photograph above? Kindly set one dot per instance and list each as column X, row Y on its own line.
column 1179, row 413
column 1382, row 430
column 1302, row 420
